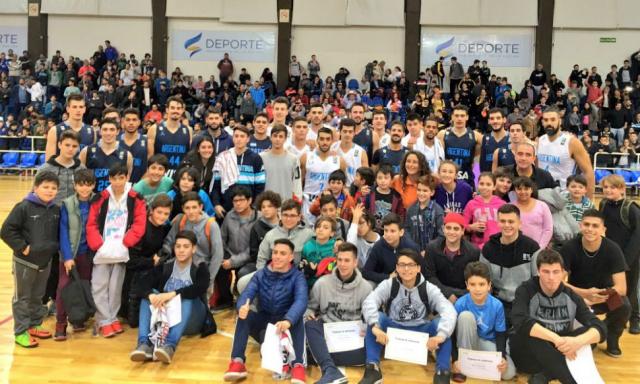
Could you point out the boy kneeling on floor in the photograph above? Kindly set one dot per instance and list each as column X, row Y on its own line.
column 178, row 277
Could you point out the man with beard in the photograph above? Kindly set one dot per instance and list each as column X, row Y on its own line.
column 461, row 144
column 431, row 147
column 134, row 142
column 316, row 121
column 491, row 142
column 352, row 154
column 213, row 129
column 170, row 137
column 364, row 137
column 316, row 166
column 560, row 152
column 394, row 152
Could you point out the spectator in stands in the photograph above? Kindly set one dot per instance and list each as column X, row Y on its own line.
column 538, row 77
column 456, row 73
column 225, row 66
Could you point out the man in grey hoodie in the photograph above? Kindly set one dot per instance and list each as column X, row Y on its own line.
column 64, row 164
column 209, row 248
column 409, row 299
column 334, row 298
column 292, row 228
column 236, row 230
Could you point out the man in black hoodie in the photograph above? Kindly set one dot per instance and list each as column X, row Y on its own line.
column 510, row 256
column 543, row 316
column 31, row 231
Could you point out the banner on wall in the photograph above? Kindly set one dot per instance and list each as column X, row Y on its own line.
column 13, row 38
column 194, row 45
column 499, row 50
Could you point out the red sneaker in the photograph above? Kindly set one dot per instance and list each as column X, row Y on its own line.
column 107, row 331
column 39, row 332
column 298, row 375
column 236, row 371
column 117, row 327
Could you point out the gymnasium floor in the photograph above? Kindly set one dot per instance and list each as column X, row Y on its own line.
column 84, row 358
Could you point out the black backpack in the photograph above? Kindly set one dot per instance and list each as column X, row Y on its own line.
column 395, row 288
column 77, row 299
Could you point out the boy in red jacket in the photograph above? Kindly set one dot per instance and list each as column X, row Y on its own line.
column 117, row 220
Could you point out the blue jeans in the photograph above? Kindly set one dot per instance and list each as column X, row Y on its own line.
column 193, row 315
column 255, row 325
column 443, row 354
column 618, row 135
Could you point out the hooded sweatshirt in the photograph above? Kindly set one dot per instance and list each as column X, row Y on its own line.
column 383, row 257
column 258, row 232
column 408, row 309
column 298, row 236
column 334, row 300
column 65, row 175
column 510, row 264
column 209, row 250
column 477, row 210
column 236, row 231
column 32, row 223
column 456, row 200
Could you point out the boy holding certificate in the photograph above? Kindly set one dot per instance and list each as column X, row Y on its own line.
column 481, row 322
column 409, row 300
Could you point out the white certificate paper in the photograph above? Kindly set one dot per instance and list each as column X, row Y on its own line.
column 173, row 309
column 583, row 368
column 344, row 336
column 271, row 351
column 479, row 364
column 407, row 346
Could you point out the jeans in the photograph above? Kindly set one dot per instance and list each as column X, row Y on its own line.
column 193, row 315
column 255, row 325
column 618, row 135
column 318, row 346
column 443, row 354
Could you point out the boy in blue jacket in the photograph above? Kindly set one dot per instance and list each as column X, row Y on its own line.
column 74, row 213
column 282, row 292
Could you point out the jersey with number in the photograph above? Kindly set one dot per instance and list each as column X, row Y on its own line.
column 173, row 145
column 86, row 134
column 461, row 150
column 364, row 139
column 353, row 158
column 433, row 154
column 139, row 153
column 555, row 157
column 489, row 145
column 99, row 163
column 317, row 173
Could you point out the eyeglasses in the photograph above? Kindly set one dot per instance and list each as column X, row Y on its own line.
column 239, row 199
column 406, row 265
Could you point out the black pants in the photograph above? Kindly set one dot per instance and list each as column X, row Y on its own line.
column 453, row 86
column 532, row 355
column 616, row 319
column 134, row 284
column 632, row 289
column 52, row 281
column 223, row 285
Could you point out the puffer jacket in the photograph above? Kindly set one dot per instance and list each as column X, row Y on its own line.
column 283, row 295
column 565, row 226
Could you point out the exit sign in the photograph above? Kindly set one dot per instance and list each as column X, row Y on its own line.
column 607, row 39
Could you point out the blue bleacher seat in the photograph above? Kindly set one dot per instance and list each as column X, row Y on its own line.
column 28, row 160
column 353, row 85
column 9, row 160
column 601, row 174
column 41, row 159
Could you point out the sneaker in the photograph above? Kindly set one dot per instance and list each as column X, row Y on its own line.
column 372, row 375
column 298, row 375
column 285, row 375
column 442, row 377
column 236, row 371
column 538, row 378
column 332, row 376
column 107, row 331
column 117, row 327
column 61, row 332
column 459, row 377
column 143, row 353
column 39, row 332
column 634, row 327
column 164, row 354
column 25, row 340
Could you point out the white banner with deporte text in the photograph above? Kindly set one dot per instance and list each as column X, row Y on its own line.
column 14, row 38
column 201, row 45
